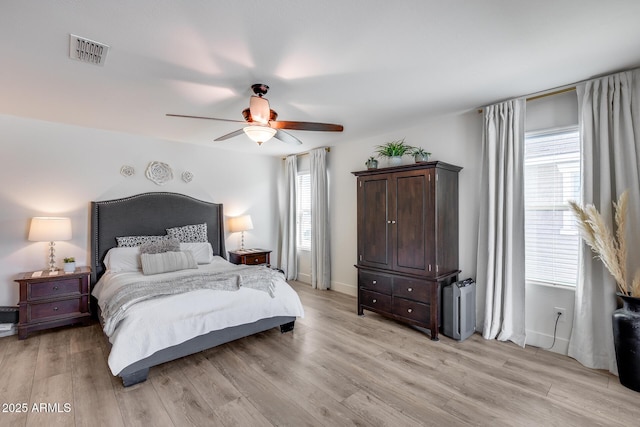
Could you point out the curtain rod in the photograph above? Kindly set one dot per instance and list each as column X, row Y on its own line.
column 544, row 95
column 327, row 149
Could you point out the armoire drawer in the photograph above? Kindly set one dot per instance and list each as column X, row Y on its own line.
column 375, row 300
column 375, row 282
column 411, row 289
column 412, row 310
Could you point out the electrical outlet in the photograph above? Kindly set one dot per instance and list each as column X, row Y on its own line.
column 563, row 314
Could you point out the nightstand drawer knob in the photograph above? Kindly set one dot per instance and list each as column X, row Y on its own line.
column 257, row 260
column 375, row 300
column 409, row 289
column 410, row 310
column 375, row 281
column 55, row 308
column 55, row 288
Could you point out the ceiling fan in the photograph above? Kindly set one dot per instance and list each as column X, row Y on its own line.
column 262, row 124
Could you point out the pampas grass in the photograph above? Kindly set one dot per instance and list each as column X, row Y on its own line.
column 612, row 252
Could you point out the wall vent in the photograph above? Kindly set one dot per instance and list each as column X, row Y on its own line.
column 86, row 50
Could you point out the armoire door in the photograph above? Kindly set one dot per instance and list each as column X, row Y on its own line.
column 374, row 231
column 413, row 222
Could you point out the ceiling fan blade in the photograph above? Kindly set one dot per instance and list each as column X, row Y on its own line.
column 287, row 137
column 230, row 135
column 326, row 127
column 206, row 118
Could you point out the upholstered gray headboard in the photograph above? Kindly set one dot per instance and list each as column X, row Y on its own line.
column 150, row 214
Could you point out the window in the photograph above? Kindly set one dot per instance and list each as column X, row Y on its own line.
column 551, row 178
column 303, row 206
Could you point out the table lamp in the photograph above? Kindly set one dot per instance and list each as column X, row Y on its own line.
column 240, row 224
column 50, row 229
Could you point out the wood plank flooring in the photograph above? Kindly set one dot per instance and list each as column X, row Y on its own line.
column 335, row 369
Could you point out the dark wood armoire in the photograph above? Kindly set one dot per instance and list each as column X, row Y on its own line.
column 407, row 241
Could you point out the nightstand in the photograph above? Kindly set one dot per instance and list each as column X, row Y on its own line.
column 48, row 301
column 250, row 256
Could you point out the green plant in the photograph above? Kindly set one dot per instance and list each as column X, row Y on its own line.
column 418, row 151
column 69, row 259
column 393, row 148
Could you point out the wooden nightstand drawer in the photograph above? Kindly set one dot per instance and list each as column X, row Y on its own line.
column 250, row 257
column 39, row 290
column 48, row 310
column 256, row 259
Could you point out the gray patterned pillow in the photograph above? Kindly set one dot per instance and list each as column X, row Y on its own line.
column 132, row 241
column 189, row 233
column 160, row 246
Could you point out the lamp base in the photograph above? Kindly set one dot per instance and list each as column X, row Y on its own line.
column 52, row 257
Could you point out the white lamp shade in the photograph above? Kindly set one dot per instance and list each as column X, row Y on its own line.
column 259, row 134
column 240, row 223
column 50, row 229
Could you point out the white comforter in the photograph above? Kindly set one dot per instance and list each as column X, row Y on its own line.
column 166, row 321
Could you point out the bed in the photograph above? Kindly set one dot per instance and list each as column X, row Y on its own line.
column 166, row 328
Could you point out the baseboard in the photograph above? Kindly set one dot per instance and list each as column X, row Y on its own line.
column 344, row 288
column 543, row 341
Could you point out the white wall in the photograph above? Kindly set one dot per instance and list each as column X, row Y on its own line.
column 454, row 139
column 54, row 169
column 555, row 111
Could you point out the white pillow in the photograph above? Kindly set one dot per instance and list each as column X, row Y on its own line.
column 202, row 252
column 166, row 262
column 123, row 259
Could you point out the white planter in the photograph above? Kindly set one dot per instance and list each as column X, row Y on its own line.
column 395, row 161
column 69, row 267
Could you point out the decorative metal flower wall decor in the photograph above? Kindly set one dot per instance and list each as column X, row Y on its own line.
column 187, row 176
column 159, row 172
column 127, row 171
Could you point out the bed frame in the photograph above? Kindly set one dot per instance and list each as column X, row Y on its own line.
column 151, row 214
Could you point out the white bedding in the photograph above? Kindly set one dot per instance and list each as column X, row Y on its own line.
column 166, row 321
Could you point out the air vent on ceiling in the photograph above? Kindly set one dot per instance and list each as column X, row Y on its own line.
column 86, row 50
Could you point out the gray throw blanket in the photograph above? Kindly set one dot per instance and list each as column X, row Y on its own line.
column 255, row 277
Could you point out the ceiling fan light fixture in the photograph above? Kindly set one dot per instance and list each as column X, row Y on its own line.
column 259, row 134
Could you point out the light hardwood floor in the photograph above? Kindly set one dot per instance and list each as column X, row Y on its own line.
column 335, row 369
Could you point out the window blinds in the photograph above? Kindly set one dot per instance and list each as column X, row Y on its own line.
column 551, row 177
column 304, row 211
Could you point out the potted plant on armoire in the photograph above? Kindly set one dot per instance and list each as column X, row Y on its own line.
column 612, row 250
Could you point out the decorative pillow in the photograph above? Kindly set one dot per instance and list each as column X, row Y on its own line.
column 189, row 233
column 166, row 262
column 122, row 259
column 157, row 247
column 131, row 241
column 202, row 252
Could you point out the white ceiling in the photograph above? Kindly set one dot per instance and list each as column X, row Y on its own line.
column 371, row 65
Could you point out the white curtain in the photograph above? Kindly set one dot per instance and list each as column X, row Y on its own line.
column 320, row 242
column 289, row 256
column 609, row 115
column 501, row 227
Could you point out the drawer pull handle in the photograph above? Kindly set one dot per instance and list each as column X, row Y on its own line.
column 375, row 281
column 55, row 288
column 375, row 300
column 256, row 259
column 410, row 310
column 55, row 308
column 410, row 289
